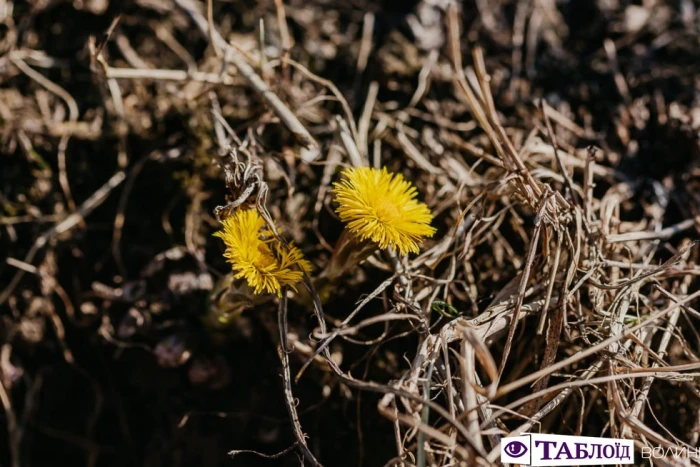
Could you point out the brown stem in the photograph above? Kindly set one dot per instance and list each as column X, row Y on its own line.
column 349, row 252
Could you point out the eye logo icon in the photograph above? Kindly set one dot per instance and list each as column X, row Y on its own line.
column 515, row 449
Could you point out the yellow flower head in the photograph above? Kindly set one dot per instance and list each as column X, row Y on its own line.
column 257, row 256
column 380, row 206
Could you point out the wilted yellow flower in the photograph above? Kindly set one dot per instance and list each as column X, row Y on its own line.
column 380, row 206
column 257, row 256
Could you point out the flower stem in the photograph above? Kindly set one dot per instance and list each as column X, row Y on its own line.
column 348, row 254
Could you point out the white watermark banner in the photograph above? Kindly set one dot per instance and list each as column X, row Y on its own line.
column 544, row 450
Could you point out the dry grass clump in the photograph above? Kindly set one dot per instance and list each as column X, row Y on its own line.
column 483, row 252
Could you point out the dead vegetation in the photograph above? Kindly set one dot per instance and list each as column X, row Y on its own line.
column 555, row 142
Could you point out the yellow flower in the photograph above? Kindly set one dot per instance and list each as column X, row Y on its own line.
column 380, row 206
column 257, row 256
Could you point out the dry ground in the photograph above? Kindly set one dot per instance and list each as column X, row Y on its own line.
column 556, row 143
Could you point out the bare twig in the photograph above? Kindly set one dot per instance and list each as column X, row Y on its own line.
column 282, row 111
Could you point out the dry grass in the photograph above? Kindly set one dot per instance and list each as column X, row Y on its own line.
column 559, row 295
